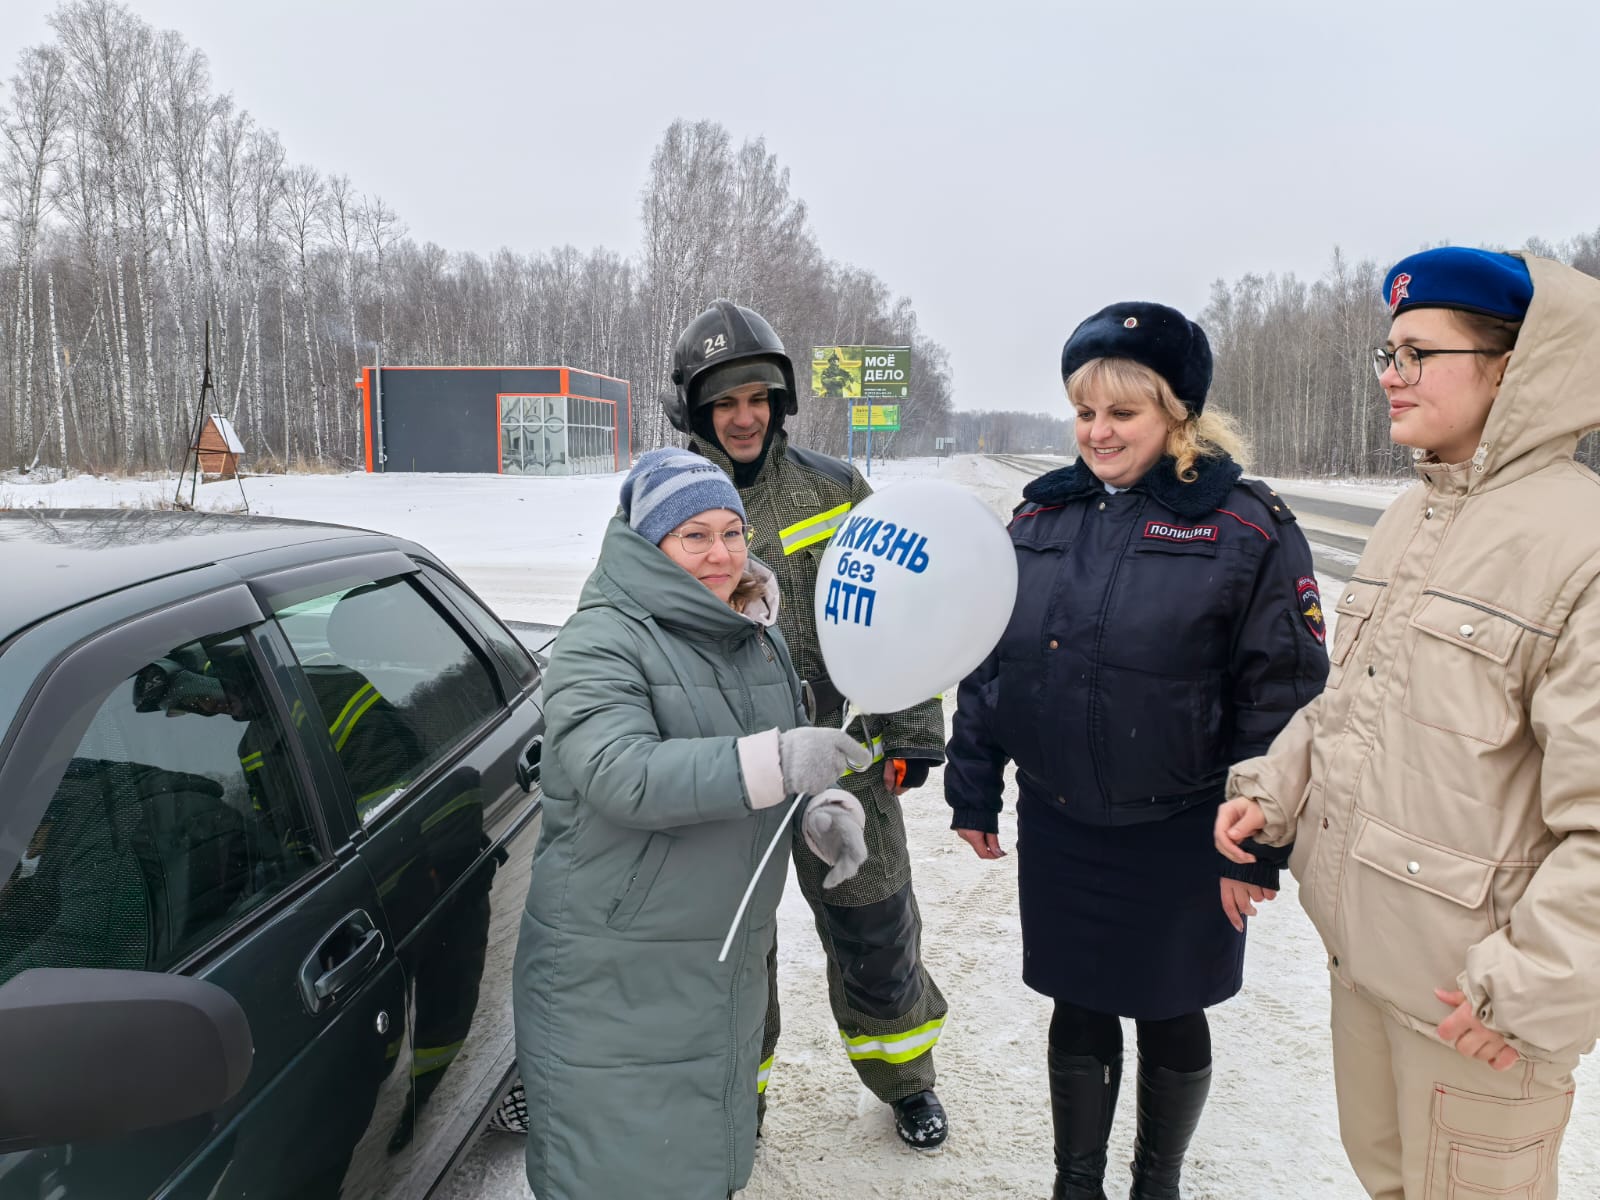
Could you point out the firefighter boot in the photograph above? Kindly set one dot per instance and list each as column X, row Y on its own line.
column 1083, row 1099
column 1170, row 1103
column 920, row 1121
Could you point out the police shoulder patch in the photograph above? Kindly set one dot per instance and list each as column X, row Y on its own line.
column 1310, row 599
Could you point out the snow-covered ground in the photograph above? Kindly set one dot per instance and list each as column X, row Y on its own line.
column 1376, row 492
column 1270, row 1129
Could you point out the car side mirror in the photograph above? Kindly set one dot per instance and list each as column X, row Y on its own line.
column 88, row 1053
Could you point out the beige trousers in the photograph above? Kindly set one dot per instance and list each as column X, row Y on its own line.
column 1420, row 1122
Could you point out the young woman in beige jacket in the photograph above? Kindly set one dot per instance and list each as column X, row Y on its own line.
column 1443, row 793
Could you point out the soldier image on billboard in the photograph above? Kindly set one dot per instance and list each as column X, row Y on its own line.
column 836, row 381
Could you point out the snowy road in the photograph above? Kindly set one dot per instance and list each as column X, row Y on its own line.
column 1336, row 529
column 1269, row 1132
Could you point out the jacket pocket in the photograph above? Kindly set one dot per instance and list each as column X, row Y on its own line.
column 1305, row 799
column 639, row 880
column 1459, row 679
column 1487, row 1146
column 1156, row 735
column 1158, row 543
column 1445, row 873
column 1307, row 833
column 1410, row 911
column 1053, row 533
column 1018, row 701
column 1356, row 605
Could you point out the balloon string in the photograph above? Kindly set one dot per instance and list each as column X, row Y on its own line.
column 754, row 879
column 783, row 827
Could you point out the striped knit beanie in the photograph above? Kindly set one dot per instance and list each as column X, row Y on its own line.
column 668, row 486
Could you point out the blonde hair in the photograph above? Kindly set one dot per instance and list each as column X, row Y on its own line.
column 1212, row 434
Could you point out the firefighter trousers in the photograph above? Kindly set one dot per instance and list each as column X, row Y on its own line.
column 888, row 1010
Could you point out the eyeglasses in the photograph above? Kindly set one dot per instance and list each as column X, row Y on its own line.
column 699, row 541
column 1407, row 360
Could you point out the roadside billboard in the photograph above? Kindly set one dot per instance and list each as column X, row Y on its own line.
column 861, row 372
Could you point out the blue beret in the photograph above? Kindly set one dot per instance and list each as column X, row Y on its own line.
column 1159, row 337
column 1475, row 281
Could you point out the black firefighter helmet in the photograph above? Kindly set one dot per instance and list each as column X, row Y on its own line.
column 725, row 347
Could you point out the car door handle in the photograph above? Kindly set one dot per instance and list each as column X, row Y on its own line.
column 345, row 954
column 530, row 766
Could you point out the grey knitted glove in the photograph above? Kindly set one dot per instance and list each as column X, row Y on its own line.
column 813, row 759
column 835, row 828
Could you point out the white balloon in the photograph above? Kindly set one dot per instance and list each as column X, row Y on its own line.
column 913, row 591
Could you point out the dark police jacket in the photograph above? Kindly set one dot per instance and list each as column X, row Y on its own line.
column 1159, row 635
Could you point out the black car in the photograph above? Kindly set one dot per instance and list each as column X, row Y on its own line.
column 268, row 802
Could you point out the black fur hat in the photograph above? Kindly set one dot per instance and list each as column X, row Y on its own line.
column 1159, row 337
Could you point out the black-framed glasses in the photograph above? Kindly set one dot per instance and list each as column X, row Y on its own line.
column 1407, row 360
column 700, row 541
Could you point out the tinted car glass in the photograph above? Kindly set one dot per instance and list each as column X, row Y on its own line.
column 178, row 814
column 512, row 652
column 397, row 685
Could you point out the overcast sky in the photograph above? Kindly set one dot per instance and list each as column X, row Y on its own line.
column 1011, row 167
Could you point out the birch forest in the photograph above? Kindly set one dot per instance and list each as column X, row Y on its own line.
column 139, row 202
column 1294, row 366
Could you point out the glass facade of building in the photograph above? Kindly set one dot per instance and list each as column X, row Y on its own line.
column 557, row 435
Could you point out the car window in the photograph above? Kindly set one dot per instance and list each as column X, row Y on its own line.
column 179, row 813
column 512, row 652
column 398, row 686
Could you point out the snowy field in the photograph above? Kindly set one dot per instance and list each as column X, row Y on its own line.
column 1269, row 1132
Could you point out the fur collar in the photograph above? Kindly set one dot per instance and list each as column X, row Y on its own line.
column 1188, row 500
column 762, row 608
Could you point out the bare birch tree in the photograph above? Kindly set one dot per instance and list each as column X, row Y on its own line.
column 32, row 132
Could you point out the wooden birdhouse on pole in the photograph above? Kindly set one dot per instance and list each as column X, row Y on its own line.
column 219, row 448
column 215, row 448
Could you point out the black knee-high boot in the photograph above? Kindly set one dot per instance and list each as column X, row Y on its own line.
column 1170, row 1103
column 1083, row 1099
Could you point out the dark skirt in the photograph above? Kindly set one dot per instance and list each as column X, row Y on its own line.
column 1124, row 919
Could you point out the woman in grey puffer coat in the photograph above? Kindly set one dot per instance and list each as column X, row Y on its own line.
column 673, row 725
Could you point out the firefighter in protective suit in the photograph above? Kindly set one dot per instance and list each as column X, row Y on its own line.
column 734, row 387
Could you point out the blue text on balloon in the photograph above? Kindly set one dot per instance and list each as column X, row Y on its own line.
column 849, row 602
column 886, row 540
column 856, row 568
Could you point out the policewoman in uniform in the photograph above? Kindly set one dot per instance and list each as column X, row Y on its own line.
column 1445, row 788
column 1167, row 625
column 734, row 388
